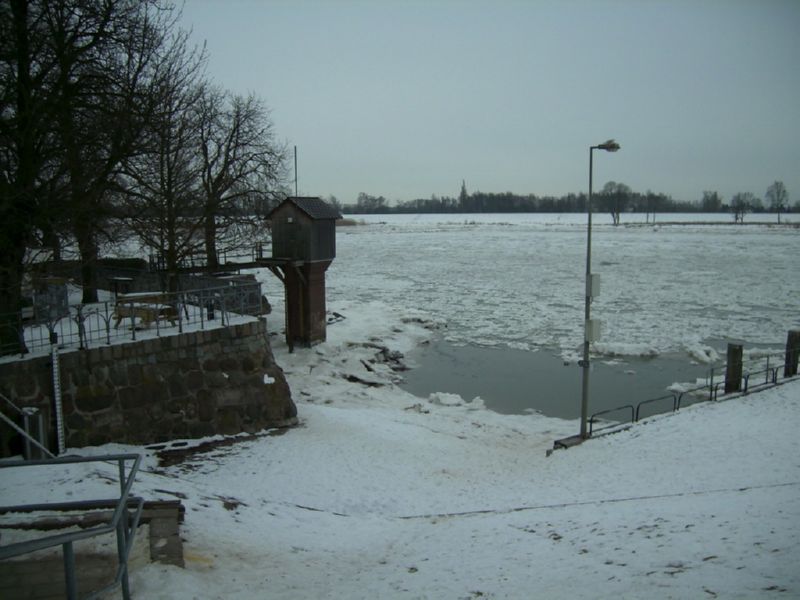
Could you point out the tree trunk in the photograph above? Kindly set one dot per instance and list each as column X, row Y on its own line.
column 173, row 274
column 210, row 233
column 50, row 240
column 18, row 201
column 11, row 271
column 88, row 250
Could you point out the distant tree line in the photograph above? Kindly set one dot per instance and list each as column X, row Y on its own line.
column 109, row 129
column 614, row 198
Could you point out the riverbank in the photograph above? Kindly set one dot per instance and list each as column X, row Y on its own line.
column 382, row 494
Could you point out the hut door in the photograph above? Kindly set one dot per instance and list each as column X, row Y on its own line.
column 292, row 239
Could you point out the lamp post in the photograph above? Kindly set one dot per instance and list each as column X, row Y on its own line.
column 609, row 146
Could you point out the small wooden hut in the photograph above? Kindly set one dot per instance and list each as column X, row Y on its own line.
column 303, row 247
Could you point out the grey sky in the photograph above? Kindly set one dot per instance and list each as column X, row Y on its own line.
column 406, row 98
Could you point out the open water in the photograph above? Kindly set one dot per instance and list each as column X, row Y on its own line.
column 509, row 292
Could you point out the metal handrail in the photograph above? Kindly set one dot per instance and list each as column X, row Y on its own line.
column 593, row 418
column 11, row 404
column 771, row 377
column 122, row 522
column 712, row 386
column 24, row 413
column 690, row 391
column 672, row 397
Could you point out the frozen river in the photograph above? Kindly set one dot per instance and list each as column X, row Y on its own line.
column 670, row 292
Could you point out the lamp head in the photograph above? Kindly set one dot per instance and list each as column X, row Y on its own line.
column 608, row 146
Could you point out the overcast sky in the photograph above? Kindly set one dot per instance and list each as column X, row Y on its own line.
column 406, row 98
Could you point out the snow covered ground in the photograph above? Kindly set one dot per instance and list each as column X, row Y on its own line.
column 381, row 494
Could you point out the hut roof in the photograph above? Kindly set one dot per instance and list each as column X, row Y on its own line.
column 314, row 207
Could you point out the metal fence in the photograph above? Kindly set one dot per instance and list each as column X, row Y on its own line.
column 132, row 316
column 761, row 372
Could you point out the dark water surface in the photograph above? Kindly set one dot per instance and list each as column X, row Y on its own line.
column 517, row 381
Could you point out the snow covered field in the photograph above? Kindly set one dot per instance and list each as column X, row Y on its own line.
column 381, row 494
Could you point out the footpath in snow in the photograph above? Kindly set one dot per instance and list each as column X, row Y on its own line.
column 381, row 494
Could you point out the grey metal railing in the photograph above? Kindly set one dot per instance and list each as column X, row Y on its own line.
column 31, row 421
column 132, row 316
column 127, row 511
column 709, row 391
column 611, row 424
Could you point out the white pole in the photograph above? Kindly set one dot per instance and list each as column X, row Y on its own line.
column 59, row 406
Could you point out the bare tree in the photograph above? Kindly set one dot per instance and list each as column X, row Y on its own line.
column 711, row 202
column 26, row 152
column 778, row 198
column 161, row 183
column 242, row 169
column 615, row 198
column 741, row 203
column 77, row 80
column 109, row 65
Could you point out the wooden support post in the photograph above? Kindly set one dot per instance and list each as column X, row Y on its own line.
column 733, row 373
column 792, row 353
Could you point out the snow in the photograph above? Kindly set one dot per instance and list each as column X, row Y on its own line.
column 517, row 280
column 381, row 494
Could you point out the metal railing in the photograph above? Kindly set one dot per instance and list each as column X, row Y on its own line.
column 32, row 421
column 132, row 316
column 127, row 511
column 709, row 391
column 612, row 424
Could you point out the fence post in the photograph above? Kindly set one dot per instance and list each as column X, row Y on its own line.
column 792, row 353
column 733, row 372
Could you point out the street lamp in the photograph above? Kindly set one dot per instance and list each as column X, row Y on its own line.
column 589, row 331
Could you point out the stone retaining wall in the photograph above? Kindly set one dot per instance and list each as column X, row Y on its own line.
column 218, row 381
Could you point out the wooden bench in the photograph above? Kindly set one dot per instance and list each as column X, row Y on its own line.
column 147, row 307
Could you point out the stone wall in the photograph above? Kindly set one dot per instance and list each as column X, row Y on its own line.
column 218, row 381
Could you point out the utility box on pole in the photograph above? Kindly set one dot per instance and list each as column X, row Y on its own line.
column 303, row 247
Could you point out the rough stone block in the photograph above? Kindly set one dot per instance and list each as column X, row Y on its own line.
column 118, row 375
column 97, row 437
column 253, row 412
column 232, row 396
column 228, row 421
column 75, row 421
column 175, row 407
column 99, row 374
column 106, row 354
column 203, row 429
column 154, row 392
column 228, row 363
column 206, row 407
column 151, row 373
column 194, row 380
column 129, row 398
column 216, row 380
column 25, row 386
column 91, row 399
column 105, row 419
column 248, row 364
column 177, row 385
